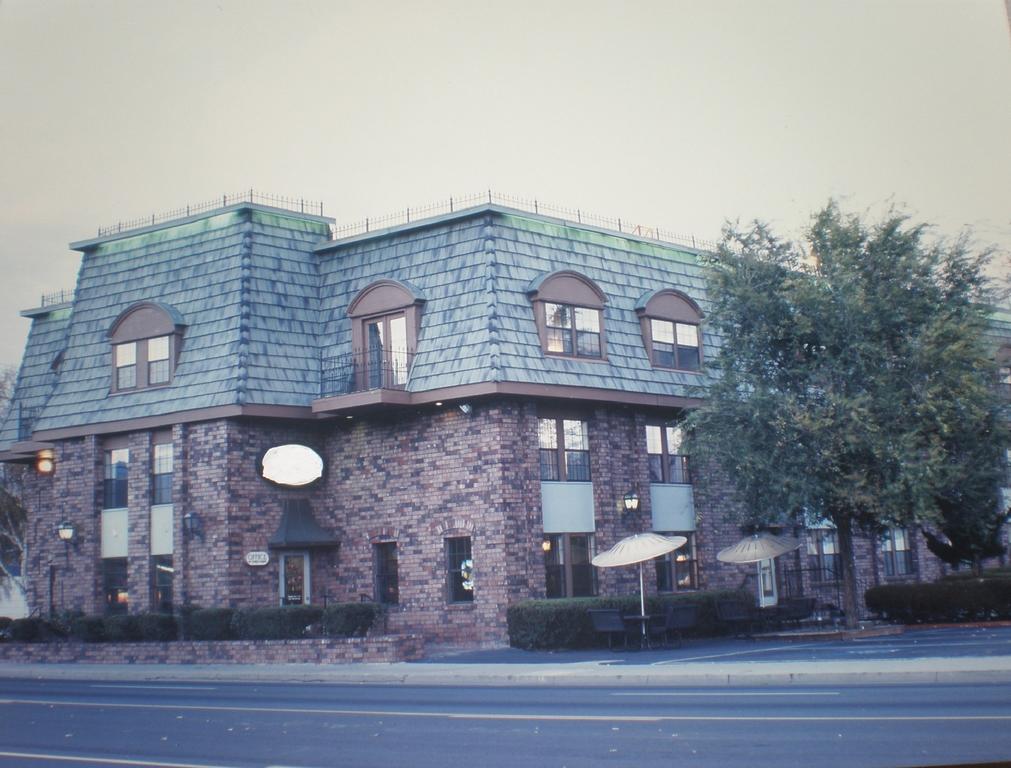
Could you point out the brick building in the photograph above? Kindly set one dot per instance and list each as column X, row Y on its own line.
column 483, row 389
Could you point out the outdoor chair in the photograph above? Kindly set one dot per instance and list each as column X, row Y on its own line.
column 737, row 615
column 679, row 617
column 610, row 622
column 794, row 610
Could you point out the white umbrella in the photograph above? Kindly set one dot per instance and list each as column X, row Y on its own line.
column 638, row 549
column 759, row 546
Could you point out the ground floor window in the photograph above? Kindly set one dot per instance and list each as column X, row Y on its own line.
column 567, row 568
column 384, row 558
column 823, row 554
column 677, row 571
column 161, row 583
column 897, row 552
column 295, row 578
column 114, row 585
column 459, row 570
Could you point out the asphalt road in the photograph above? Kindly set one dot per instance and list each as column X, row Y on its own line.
column 240, row 725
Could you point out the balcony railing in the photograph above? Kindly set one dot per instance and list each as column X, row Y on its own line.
column 364, row 371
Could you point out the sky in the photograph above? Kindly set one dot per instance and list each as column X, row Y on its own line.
column 668, row 113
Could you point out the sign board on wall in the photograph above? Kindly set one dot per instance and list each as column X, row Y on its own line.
column 257, row 558
column 291, row 465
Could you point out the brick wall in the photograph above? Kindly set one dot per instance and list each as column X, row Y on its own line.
column 414, row 477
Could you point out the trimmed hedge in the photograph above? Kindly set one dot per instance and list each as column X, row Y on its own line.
column 951, row 600
column 211, row 624
column 350, row 619
column 565, row 623
column 285, row 623
column 35, row 629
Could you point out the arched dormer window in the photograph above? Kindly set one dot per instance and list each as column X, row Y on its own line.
column 670, row 323
column 385, row 318
column 569, row 312
column 146, row 339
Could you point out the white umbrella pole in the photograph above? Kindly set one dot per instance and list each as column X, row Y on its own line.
column 642, row 601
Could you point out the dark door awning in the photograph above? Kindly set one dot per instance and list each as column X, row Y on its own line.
column 299, row 530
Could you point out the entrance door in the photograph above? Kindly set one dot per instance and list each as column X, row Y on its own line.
column 767, row 583
column 295, row 578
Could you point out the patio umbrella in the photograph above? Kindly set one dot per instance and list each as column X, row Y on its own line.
column 638, row 549
column 759, row 546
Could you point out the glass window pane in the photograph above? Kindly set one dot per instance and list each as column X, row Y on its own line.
column 576, row 435
column 558, row 315
column 577, row 466
column 158, row 348
column 158, row 372
column 559, row 341
column 688, row 335
column 126, row 354
column 547, row 433
column 588, row 344
column 587, row 319
column 126, row 377
column 662, row 331
column 675, row 437
column 653, row 444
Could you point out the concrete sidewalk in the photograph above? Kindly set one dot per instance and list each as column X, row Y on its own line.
column 949, row 655
column 602, row 673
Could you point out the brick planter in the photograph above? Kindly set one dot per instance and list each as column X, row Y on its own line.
column 388, row 648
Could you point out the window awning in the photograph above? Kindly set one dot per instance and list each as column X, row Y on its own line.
column 298, row 528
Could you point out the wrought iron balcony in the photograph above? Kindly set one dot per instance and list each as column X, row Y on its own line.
column 364, row 371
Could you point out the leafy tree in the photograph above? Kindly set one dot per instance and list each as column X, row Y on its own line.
column 852, row 383
column 12, row 513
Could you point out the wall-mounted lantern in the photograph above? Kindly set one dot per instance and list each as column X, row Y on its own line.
column 66, row 531
column 193, row 525
column 45, row 461
column 631, row 501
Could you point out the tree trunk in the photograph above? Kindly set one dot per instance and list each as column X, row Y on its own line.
column 850, row 606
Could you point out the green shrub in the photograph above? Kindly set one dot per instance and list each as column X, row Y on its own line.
column 157, row 627
column 211, row 624
column 350, row 619
column 88, row 629
column 27, row 630
column 948, row 600
column 35, row 629
column 565, row 623
column 122, row 628
column 275, row 623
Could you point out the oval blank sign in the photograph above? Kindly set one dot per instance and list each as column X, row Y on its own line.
column 293, row 465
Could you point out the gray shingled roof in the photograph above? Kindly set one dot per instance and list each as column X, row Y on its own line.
column 474, row 269
column 263, row 296
column 244, row 281
column 37, row 374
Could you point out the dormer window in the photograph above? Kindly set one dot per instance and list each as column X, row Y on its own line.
column 385, row 318
column 569, row 312
column 670, row 324
column 146, row 340
column 571, row 330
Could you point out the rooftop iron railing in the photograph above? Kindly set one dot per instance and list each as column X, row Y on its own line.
column 247, row 196
column 57, row 297
column 364, row 371
column 573, row 215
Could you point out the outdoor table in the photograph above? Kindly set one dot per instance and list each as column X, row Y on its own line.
column 641, row 625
